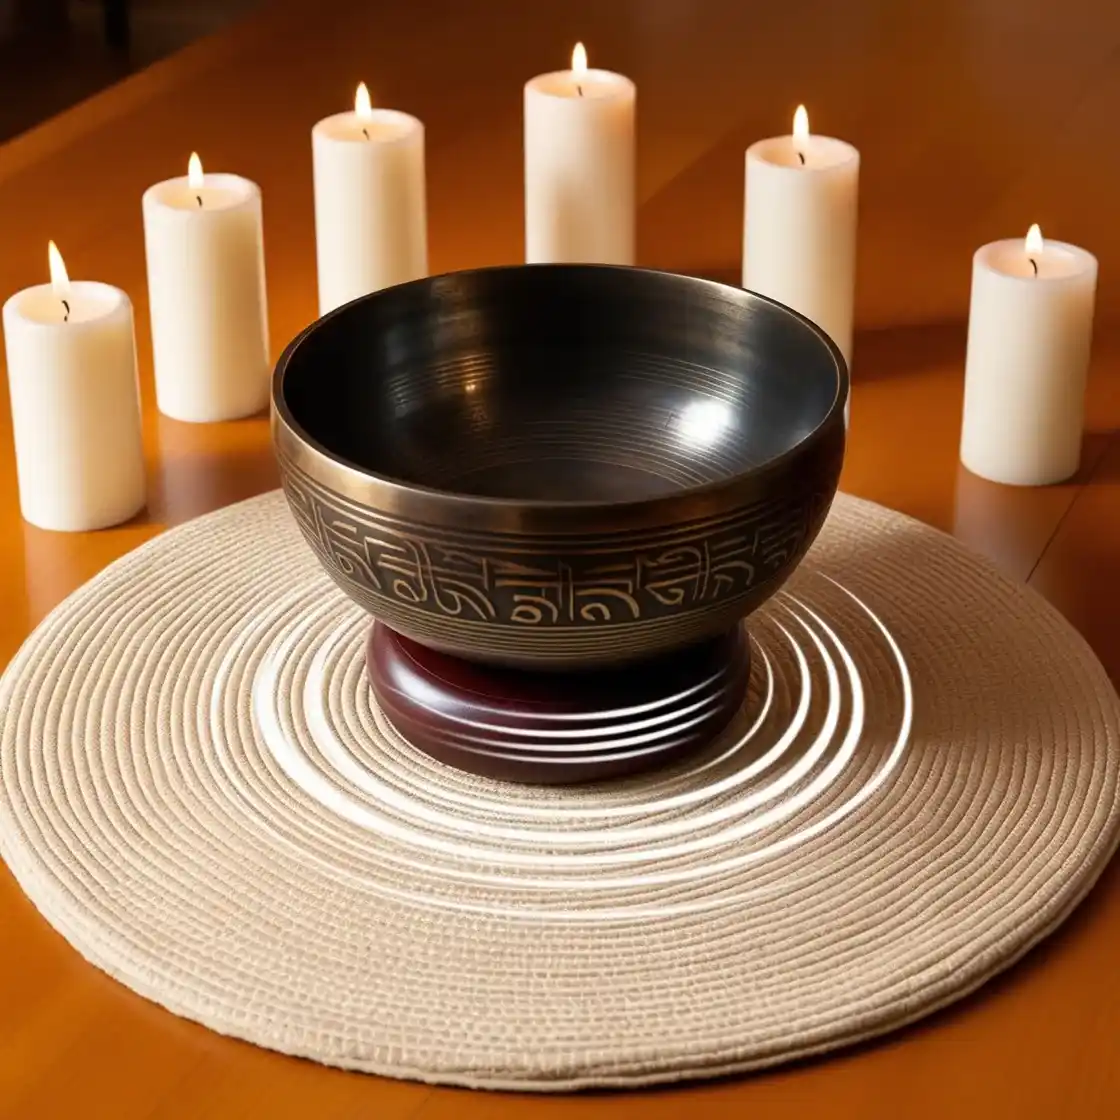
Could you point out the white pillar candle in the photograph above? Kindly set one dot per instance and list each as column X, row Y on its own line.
column 206, row 288
column 1030, row 328
column 371, row 226
column 799, row 233
column 75, row 403
column 579, row 166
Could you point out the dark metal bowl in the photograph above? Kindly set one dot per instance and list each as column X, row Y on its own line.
column 554, row 466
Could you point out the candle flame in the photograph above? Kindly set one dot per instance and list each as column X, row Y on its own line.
column 1034, row 242
column 801, row 124
column 194, row 173
column 579, row 60
column 362, row 104
column 60, row 282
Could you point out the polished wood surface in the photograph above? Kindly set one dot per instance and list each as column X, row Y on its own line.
column 974, row 118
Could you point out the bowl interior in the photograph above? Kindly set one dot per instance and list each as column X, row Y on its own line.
column 559, row 383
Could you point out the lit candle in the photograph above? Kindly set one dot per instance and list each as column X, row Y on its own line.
column 1030, row 328
column 206, row 287
column 799, row 234
column 370, row 209
column 579, row 166
column 75, row 403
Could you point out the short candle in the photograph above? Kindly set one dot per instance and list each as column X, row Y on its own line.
column 371, row 227
column 1030, row 329
column 75, row 400
column 204, row 243
column 579, row 166
column 799, row 228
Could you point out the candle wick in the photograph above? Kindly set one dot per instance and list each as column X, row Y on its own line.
column 579, row 89
column 1034, row 264
column 801, row 156
column 66, row 317
column 365, row 133
column 198, row 199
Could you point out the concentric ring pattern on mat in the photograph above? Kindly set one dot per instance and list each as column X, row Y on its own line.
column 199, row 793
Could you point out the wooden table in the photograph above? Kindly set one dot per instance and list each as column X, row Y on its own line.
column 974, row 117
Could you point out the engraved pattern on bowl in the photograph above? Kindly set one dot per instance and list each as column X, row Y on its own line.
column 570, row 583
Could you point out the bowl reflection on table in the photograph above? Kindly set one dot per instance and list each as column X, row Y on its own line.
column 560, row 466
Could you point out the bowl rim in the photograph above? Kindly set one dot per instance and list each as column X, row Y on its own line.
column 476, row 510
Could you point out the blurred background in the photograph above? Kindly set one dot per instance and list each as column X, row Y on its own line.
column 54, row 53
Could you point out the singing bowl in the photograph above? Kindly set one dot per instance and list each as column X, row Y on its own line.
column 560, row 466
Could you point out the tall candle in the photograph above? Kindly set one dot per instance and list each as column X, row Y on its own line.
column 370, row 211
column 799, row 233
column 579, row 166
column 75, row 403
column 206, row 288
column 1030, row 328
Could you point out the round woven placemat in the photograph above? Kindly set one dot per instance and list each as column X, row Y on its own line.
column 199, row 794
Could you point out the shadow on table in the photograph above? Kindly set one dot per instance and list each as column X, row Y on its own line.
column 1012, row 525
column 888, row 352
column 202, row 467
column 1100, row 457
column 894, row 352
column 55, row 53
